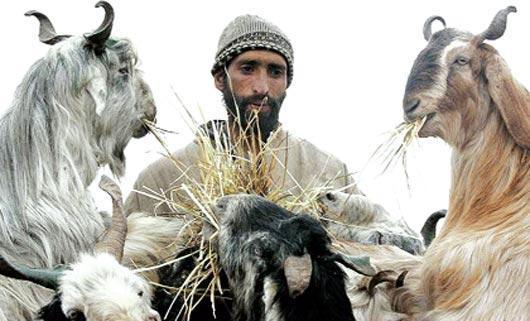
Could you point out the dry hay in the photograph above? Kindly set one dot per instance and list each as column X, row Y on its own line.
column 230, row 163
column 395, row 148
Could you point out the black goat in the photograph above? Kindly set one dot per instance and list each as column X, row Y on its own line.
column 279, row 265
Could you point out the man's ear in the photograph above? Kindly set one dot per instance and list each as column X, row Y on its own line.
column 219, row 79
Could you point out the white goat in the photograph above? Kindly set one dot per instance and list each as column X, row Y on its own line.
column 97, row 287
column 75, row 110
column 354, row 217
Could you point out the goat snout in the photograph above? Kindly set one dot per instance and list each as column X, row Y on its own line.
column 410, row 105
column 153, row 316
column 150, row 113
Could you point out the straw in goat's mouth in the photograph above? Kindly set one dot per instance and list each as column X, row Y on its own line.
column 395, row 148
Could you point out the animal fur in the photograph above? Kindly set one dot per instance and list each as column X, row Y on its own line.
column 74, row 112
column 478, row 267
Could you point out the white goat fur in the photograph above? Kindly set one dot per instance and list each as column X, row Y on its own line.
column 105, row 290
column 52, row 142
column 357, row 218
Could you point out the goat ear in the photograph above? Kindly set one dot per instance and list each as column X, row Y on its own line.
column 511, row 98
column 298, row 270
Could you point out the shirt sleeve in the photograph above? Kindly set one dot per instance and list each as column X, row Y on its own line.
column 352, row 186
column 152, row 181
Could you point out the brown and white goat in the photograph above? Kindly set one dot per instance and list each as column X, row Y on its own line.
column 478, row 267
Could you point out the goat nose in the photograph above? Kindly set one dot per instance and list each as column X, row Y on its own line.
column 411, row 105
column 150, row 113
column 153, row 316
column 221, row 203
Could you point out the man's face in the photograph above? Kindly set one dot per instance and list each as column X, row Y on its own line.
column 256, row 83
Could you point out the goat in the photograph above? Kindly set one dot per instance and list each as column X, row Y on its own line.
column 255, row 238
column 279, row 265
column 75, row 110
column 478, row 267
column 97, row 287
column 371, row 296
column 356, row 218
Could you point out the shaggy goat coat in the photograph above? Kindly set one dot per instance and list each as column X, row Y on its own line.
column 478, row 267
column 74, row 111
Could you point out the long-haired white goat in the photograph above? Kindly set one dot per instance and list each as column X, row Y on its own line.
column 478, row 267
column 96, row 287
column 75, row 111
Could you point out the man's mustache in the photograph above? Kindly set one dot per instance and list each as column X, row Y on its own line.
column 259, row 100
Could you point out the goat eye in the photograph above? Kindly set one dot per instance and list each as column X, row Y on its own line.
column 140, row 293
column 76, row 315
column 330, row 197
column 462, row 61
column 124, row 71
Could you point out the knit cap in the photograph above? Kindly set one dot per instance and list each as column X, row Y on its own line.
column 249, row 32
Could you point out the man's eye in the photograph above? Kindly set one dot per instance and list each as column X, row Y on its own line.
column 277, row 72
column 246, row 68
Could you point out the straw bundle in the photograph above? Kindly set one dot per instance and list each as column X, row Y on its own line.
column 232, row 161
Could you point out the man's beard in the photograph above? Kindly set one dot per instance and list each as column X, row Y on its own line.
column 239, row 110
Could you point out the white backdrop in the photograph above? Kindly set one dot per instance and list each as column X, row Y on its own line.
column 351, row 66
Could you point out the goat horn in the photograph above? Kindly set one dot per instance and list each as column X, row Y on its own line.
column 114, row 241
column 98, row 37
column 359, row 264
column 47, row 32
column 428, row 231
column 298, row 270
column 380, row 277
column 427, row 26
column 43, row 277
column 497, row 26
column 400, row 281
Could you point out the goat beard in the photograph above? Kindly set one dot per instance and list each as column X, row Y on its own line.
column 238, row 109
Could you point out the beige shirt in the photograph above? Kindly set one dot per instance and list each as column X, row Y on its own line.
column 307, row 167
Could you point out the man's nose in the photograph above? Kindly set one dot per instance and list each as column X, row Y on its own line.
column 261, row 84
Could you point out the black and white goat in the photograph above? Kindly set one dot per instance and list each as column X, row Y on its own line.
column 279, row 265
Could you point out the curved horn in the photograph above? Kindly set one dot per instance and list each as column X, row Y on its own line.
column 47, row 32
column 43, row 277
column 497, row 26
column 298, row 270
column 380, row 277
column 400, row 281
column 428, row 231
column 114, row 240
column 98, row 38
column 427, row 26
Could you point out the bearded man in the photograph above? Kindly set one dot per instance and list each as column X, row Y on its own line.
column 253, row 69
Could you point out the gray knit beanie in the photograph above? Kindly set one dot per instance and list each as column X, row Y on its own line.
column 252, row 32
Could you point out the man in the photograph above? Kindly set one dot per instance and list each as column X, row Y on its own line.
column 253, row 68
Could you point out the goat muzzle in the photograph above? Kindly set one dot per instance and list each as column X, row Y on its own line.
column 410, row 107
